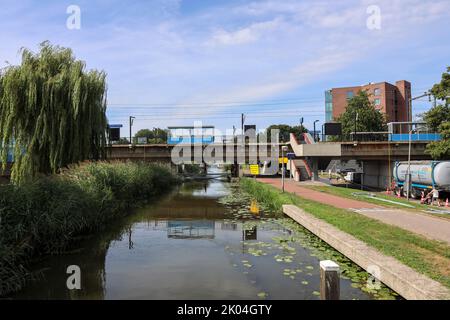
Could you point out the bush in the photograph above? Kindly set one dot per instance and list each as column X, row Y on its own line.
column 45, row 216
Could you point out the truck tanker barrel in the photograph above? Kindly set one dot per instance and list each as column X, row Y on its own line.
column 424, row 174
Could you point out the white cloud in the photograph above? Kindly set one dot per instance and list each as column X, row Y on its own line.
column 244, row 35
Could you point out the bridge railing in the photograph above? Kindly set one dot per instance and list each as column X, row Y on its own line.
column 385, row 136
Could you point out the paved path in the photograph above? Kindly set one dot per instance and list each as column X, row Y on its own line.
column 426, row 225
column 294, row 187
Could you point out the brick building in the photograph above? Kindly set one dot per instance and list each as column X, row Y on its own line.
column 392, row 100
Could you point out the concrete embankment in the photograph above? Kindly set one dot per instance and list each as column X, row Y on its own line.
column 405, row 281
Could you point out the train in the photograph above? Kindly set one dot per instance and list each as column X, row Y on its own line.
column 425, row 175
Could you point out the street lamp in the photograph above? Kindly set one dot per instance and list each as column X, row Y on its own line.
column 315, row 129
column 131, row 125
column 408, row 176
column 356, row 121
column 283, row 150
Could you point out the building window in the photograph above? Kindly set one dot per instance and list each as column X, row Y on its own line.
column 377, row 91
column 377, row 102
column 349, row 94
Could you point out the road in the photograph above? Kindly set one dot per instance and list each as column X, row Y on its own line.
column 428, row 226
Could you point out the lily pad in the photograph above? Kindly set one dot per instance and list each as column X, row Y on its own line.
column 262, row 295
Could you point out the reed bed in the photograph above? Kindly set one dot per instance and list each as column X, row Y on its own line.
column 48, row 214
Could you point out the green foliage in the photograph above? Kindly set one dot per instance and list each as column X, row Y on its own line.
column 441, row 90
column 440, row 150
column 156, row 135
column 52, row 111
column 438, row 119
column 436, row 116
column 46, row 215
column 285, row 131
column 369, row 118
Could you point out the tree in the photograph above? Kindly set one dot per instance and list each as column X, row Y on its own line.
column 285, row 131
column 440, row 150
column 156, row 135
column 436, row 116
column 159, row 136
column 441, row 90
column 369, row 118
column 144, row 133
column 438, row 119
column 52, row 111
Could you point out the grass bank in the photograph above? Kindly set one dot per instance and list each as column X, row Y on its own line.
column 354, row 194
column 429, row 257
column 46, row 216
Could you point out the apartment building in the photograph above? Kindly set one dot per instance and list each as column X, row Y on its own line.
column 391, row 100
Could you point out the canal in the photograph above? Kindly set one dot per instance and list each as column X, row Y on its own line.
column 204, row 240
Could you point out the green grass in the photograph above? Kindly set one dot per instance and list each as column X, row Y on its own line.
column 429, row 257
column 47, row 215
column 351, row 193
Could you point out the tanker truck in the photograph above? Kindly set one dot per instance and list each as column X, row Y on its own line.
column 425, row 175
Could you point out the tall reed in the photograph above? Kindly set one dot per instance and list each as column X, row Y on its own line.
column 45, row 216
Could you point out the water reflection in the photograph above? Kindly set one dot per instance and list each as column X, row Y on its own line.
column 190, row 229
column 185, row 246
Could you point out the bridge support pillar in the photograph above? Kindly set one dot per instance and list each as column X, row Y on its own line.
column 236, row 171
column 315, row 169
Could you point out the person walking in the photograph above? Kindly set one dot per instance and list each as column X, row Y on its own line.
column 435, row 193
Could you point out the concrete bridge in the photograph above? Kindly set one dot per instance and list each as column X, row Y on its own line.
column 376, row 157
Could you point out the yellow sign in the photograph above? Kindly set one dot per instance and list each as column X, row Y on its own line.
column 280, row 160
column 254, row 169
column 254, row 208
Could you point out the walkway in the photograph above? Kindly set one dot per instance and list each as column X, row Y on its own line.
column 339, row 202
column 426, row 225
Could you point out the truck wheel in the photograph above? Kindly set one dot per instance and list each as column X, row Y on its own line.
column 415, row 194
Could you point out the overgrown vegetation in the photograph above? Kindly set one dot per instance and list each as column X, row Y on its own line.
column 429, row 257
column 48, row 214
column 52, row 112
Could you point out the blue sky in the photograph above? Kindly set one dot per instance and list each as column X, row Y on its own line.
column 170, row 62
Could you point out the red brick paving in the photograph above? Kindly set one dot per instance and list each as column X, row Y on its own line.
column 339, row 202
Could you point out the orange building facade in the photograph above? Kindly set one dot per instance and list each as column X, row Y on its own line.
column 392, row 100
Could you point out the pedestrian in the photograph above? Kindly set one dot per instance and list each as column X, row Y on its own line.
column 435, row 193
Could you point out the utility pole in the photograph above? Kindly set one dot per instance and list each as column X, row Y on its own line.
column 131, row 125
column 283, row 150
column 408, row 176
column 315, row 129
column 356, row 121
column 242, row 124
column 418, row 97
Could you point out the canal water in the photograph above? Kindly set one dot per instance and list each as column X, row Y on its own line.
column 204, row 240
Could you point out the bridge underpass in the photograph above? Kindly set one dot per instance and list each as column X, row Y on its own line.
column 216, row 153
column 376, row 158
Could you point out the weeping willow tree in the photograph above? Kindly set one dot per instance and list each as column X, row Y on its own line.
column 52, row 112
